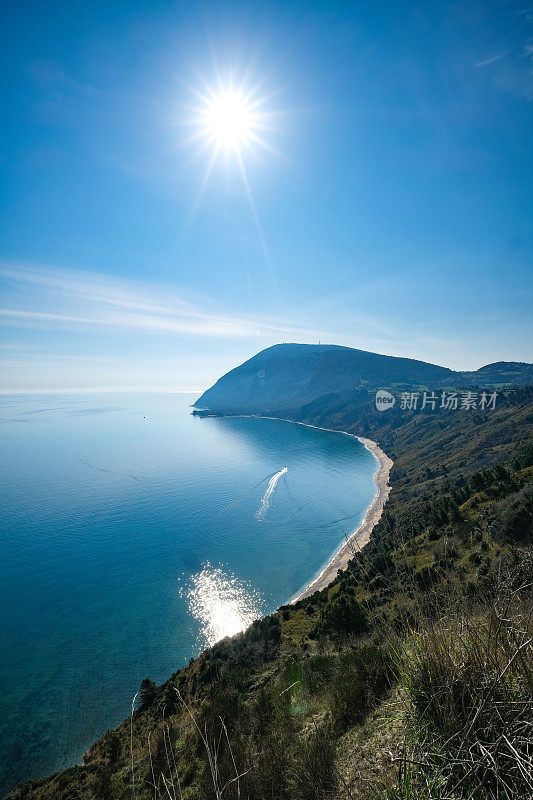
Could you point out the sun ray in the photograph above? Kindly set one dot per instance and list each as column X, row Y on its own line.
column 259, row 229
column 233, row 117
column 201, row 189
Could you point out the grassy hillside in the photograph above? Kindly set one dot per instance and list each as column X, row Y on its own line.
column 410, row 676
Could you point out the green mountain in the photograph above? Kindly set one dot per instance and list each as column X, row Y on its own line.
column 289, row 375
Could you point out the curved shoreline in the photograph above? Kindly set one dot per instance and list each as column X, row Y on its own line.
column 356, row 540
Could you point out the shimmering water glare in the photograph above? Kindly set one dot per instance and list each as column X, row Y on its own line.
column 133, row 534
column 222, row 604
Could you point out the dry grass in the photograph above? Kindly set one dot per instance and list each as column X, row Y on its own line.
column 470, row 684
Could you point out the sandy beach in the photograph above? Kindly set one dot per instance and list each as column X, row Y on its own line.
column 359, row 538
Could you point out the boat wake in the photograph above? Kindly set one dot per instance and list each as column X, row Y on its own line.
column 265, row 502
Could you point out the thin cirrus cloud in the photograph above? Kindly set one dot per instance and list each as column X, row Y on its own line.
column 510, row 65
column 47, row 297
column 490, row 60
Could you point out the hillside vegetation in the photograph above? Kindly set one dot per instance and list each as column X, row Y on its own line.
column 409, row 677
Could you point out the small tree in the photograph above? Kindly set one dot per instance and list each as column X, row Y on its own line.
column 343, row 616
column 148, row 693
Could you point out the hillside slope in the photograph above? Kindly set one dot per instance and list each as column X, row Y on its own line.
column 289, row 375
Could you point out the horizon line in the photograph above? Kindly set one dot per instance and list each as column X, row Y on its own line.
column 101, row 390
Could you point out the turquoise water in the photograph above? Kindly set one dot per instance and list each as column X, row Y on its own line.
column 132, row 535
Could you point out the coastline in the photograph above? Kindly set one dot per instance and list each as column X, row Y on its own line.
column 356, row 540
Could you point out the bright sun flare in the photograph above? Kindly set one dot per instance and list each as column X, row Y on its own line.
column 229, row 120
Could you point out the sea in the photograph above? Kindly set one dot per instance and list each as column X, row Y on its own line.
column 132, row 536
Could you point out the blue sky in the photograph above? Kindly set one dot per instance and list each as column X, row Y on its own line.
column 391, row 209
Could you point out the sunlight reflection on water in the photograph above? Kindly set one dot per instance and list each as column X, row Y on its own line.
column 222, row 604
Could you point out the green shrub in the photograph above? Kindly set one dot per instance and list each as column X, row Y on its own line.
column 362, row 676
column 341, row 617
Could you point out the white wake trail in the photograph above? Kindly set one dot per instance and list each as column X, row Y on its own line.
column 265, row 502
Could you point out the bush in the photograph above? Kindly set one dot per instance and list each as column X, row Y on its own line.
column 363, row 675
column 343, row 616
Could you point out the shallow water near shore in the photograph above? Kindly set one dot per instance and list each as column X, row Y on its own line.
column 133, row 535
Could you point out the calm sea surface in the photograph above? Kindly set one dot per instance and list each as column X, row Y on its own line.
column 134, row 534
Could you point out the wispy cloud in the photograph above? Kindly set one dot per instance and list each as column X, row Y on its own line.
column 510, row 68
column 48, row 297
column 490, row 60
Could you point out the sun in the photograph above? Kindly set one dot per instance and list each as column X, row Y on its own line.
column 232, row 120
column 230, row 117
column 229, row 120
